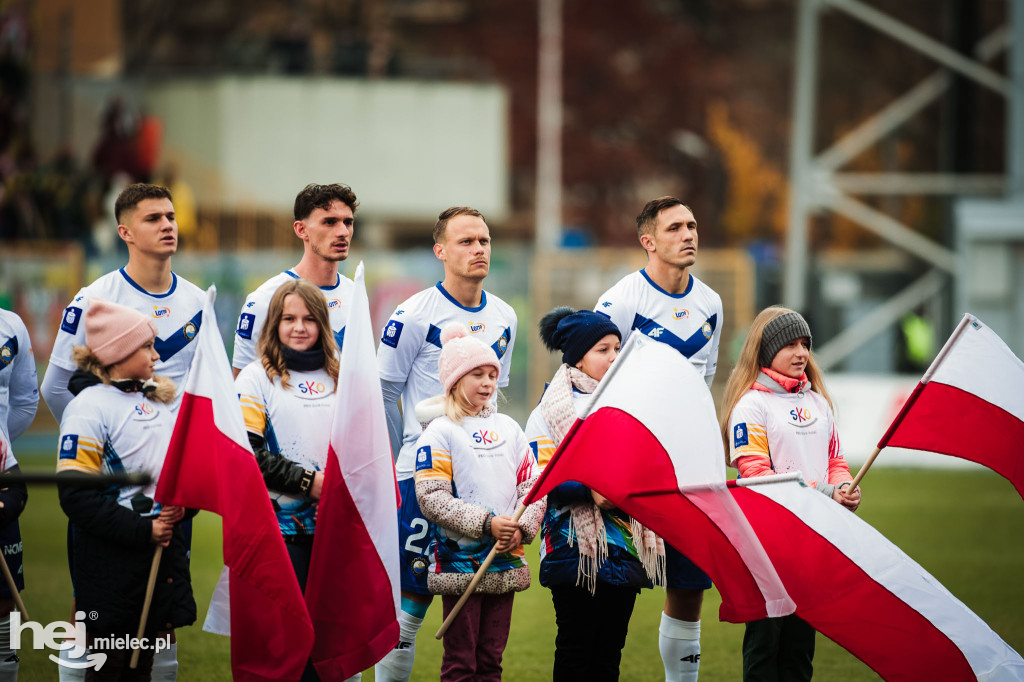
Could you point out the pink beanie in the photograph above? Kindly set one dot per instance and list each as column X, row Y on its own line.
column 113, row 332
column 461, row 354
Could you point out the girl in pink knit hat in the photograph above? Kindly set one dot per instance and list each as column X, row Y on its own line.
column 119, row 422
column 473, row 468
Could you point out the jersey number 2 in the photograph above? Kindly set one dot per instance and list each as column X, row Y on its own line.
column 424, row 528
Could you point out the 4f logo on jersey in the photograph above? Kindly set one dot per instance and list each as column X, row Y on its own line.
column 392, row 333
column 656, row 332
column 680, row 313
column 160, row 311
column 476, row 327
column 69, row 446
column 312, row 387
column 606, row 304
column 485, row 437
column 423, row 459
column 333, row 304
column 69, row 323
column 245, row 323
column 250, row 304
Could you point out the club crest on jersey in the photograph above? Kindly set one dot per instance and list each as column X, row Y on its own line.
column 739, row 435
column 190, row 330
column 486, row 437
column 502, row 345
column 476, row 327
column 423, row 459
column 680, row 313
column 160, row 311
column 245, row 323
column 69, row 323
column 6, row 355
column 392, row 333
column 69, row 446
column 333, row 304
column 707, row 330
column 418, row 565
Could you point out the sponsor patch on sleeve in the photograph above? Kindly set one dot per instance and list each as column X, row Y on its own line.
column 739, row 435
column 72, row 316
column 69, row 446
column 245, row 324
column 423, row 459
column 393, row 332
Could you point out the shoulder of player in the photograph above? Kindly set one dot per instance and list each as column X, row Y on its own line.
column 188, row 288
column 702, row 286
column 623, row 287
column 418, row 309
column 251, row 375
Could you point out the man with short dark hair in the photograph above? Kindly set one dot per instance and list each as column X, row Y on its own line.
column 145, row 217
column 407, row 358
column 324, row 221
column 665, row 302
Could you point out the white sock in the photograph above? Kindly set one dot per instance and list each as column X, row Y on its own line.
column 679, row 643
column 397, row 665
column 165, row 664
column 66, row 674
column 8, row 656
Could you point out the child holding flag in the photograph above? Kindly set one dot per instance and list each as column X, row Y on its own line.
column 777, row 418
column 594, row 557
column 473, row 467
column 120, row 422
column 288, row 398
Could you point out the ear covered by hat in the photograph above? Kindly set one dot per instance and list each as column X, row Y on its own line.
column 113, row 332
column 461, row 354
column 575, row 332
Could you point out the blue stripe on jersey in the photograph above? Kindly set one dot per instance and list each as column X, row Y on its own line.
column 8, row 351
column 689, row 285
column 174, row 285
column 657, row 332
column 270, row 438
column 112, row 459
column 501, row 345
column 339, row 337
column 179, row 339
column 483, row 300
column 434, row 335
column 326, row 288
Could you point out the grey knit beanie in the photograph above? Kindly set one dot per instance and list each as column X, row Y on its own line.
column 778, row 333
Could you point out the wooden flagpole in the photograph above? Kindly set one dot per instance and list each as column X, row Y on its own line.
column 146, row 603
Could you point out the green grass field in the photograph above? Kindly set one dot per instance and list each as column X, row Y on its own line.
column 964, row 527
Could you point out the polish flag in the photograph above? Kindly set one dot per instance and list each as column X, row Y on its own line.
column 857, row 588
column 969, row 404
column 210, row 466
column 352, row 590
column 638, row 447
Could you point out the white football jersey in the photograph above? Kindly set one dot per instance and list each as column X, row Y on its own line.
column 105, row 430
column 690, row 322
column 177, row 312
column 410, row 347
column 19, row 386
column 254, row 312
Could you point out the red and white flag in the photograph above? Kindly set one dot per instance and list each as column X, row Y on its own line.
column 210, row 466
column 969, row 404
column 651, row 429
column 857, row 588
column 352, row 590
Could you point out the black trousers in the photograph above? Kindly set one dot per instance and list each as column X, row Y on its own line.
column 591, row 631
column 778, row 650
column 300, row 550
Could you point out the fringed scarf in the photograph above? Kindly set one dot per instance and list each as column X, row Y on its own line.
column 587, row 522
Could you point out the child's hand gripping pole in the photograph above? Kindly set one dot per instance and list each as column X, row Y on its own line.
column 474, row 582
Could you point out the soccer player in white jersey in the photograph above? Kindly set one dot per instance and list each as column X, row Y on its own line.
column 407, row 358
column 324, row 221
column 664, row 301
column 19, row 396
column 145, row 216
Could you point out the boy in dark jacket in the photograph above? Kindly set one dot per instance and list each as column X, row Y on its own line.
column 119, row 422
